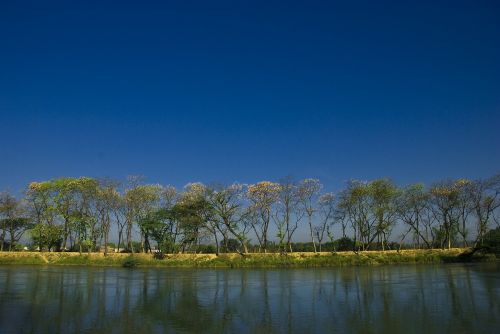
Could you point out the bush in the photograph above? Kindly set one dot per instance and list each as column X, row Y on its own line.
column 168, row 247
column 491, row 241
column 207, row 249
column 229, row 246
column 158, row 255
column 344, row 244
column 130, row 262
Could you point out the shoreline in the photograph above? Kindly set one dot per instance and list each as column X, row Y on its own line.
column 235, row 260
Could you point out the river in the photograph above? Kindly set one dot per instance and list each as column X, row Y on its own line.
column 451, row 298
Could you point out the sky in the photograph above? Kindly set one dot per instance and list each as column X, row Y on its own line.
column 209, row 91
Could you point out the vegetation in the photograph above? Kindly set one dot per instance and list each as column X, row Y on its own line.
column 83, row 214
column 491, row 242
column 488, row 250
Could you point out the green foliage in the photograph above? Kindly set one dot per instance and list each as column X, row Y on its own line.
column 491, row 242
column 47, row 236
column 344, row 244
column 193, row 212
column 230, row 246
column 130, row 262
column 207, row 249
column 84, row 213
column 169, row 247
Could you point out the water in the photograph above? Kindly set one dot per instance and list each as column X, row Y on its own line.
column 388, row 299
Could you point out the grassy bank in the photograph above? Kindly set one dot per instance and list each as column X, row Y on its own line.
column 299, row 260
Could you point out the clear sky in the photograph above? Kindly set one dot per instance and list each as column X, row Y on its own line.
column 248, row 90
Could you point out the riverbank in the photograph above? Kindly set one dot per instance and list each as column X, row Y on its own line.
column 299, row 260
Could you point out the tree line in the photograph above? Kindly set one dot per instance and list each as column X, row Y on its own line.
column 84, row 214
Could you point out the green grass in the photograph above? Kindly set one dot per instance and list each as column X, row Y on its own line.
column 295, row 260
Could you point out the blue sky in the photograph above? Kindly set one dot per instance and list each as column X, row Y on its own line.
column 247, row 90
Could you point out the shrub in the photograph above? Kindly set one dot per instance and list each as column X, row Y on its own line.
column 491, row 241
column 345, row 244
column 229, row 246
column 207, row 249
column 130, row 262
column 158, row 255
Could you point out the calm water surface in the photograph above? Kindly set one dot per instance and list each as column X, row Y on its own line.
column 388, row 299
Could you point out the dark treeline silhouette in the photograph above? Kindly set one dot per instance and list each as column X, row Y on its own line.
column 85, row 214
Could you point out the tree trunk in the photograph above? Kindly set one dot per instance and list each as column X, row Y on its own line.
column 311, row 233
column 216, row 243
column 2, row 241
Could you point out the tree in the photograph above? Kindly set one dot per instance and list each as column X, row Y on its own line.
column 411, row 209
column 354, row 205
column 7, row 208
column 465, row 207
column 326, row 205
column 13, row 220
column 194, row 213
column 287, row 214
column 227, row 208
column 162, row 224
column 308, row 192
column 445, row 206
column 41, row 202
column 383, row 194
column 108, row 203
column 64, row 194
column 47, row 236
column 262, row 195
column 141, row 200
column 84, row 216
column 79, row 214
column 154, row 226
column 70, row 202
column 485, row 200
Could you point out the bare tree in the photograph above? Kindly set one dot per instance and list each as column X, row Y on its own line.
column 485, row 200
column 227, row 205
column 308, row 193
column 263, row 195
column 327, row 206
column 445, row 207
column 411, row 208
column 287, row 214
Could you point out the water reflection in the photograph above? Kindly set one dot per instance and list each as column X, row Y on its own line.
column 390, row 299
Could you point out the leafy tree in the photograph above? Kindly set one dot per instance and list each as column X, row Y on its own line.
column 383, row 195
column 14, row 220
column 354, row 205
column 194, row 214
column 108, row 204
column 47, row 236
column 140, row 201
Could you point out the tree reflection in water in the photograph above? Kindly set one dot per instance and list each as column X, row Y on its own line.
column 390, row 299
